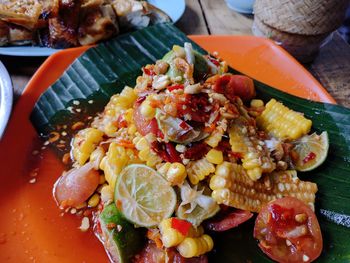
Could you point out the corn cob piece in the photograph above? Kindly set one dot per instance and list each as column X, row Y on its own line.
column 231, row 186
column 115, row 160
column 170, row 236
column 84, row 144
column 146, row 154
column 283, row 122
column 198, row 170
column 256, row 159
column 195, row 246
column 175, row 173
column 119, row 104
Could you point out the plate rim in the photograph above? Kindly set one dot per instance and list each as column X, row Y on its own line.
column 24, row 107
column 6, row 98
column 35, row 51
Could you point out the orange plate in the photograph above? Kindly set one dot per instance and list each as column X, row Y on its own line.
column 32, row 228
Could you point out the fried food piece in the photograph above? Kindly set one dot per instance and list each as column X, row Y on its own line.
column 4, row 33
column 231, row 186
column 98, row 24
column 21, row 12
column 19, row 36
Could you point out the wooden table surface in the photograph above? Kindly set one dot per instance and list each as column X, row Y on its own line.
column 206, row 17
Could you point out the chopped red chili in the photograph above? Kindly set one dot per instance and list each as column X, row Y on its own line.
column 175, row 87
column 196, row 151
column 148, row 71
column 311, row 156
column 182, row 226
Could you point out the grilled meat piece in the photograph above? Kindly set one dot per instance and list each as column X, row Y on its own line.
column 97, row 25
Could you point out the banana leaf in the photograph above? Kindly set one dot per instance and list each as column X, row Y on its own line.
column 107, row 68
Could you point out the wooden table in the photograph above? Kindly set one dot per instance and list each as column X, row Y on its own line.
column 331, row 67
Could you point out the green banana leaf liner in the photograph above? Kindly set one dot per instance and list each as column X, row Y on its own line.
column 86, row 86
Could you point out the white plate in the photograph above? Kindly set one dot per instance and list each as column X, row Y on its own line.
column 6, row 96
column 174, row 8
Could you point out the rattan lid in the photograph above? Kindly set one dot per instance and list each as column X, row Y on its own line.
column 307, row 17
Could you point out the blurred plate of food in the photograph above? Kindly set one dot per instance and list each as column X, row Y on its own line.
column 6, row 95
column 41, row 28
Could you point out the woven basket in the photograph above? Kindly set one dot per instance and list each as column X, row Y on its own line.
column 304, row 48
column 305, row 17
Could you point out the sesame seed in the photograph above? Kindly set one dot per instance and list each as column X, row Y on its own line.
column 288, row 243
column 32, row 181
column 46, row 143
column 90, row 101
column 63, row 133
column 306, row 258
column 85, row 224
column 76, row 102
column 78, row 110
column 73, row 211
column 119, row 228
column 43, row 148
column 36, row 152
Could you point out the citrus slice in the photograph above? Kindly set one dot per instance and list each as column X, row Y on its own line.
column 312, row 151
column 144, row 196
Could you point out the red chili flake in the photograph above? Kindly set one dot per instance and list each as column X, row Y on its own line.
column 121, row 122
column 175, row 87
column 182, row 226
column 140, row 99
column 98, row 227
column 235, row 154
column 214, row 61
column 148, row 71
column 311, row 156
column 118, row 204
column 184, row 125
column 166, row 151
column 196, row 151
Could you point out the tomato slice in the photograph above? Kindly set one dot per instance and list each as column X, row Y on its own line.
column 288, row 231
column 235, row 85
column 143, row 125
column 227, row 219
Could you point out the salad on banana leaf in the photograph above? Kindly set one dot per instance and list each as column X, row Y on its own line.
column 190, row 151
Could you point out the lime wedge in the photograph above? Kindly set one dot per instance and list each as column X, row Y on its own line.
column 144, row 196
column 312, row 151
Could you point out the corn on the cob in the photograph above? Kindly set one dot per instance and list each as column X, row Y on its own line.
column 84, row 144
column 119, row 104
column 215, row 137
column 215, row 156
column 170, row 236
column 115, row 160
column 198, row 170
column 195, row 246
column 175, row 173
column 283, row 122
column 146, row 154
column 231, row 186
column 256, row 159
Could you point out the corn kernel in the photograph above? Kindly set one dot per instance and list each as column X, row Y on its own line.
column 188, row 248
column 106, row 194
column 215, row 156
column 147, row 111
column 176, row 173
column 171, row 237
column 94, row 200
column 142, row 144
column 256, row 103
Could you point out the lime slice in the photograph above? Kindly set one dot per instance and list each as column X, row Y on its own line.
column 312, row 150
column 144, row 196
